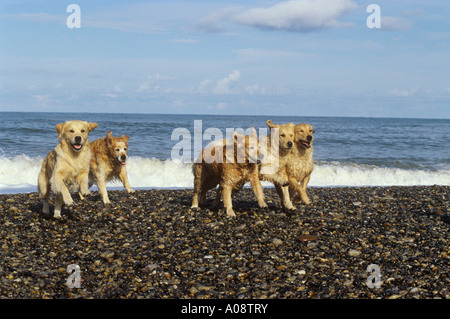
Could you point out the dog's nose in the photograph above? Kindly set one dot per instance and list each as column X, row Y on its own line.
column 289, row 144
column 78, row 139
column 309, row 138
column 123, row 157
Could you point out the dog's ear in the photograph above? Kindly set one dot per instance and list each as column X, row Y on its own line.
column 271, row 125
column 60, row 129
column 92, row 126
column 125, row 137
column 254, row 131
column 109, row 138
column 238, row 138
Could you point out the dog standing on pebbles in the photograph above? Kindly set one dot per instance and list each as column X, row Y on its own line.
column 301, row 164
column 230, row 165
column 109, row 157
column 66, row 168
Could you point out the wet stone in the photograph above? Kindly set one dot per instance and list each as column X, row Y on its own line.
column 152, row 245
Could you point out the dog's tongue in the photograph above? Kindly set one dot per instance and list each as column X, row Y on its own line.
column 123, row 163
column 77, row 146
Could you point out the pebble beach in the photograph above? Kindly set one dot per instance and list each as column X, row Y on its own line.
column 150, row 244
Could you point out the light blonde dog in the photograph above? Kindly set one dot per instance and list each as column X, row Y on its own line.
column 275, row 150
column 229, row 165
column 301, row 163
column 66, row 168
column 109, row 157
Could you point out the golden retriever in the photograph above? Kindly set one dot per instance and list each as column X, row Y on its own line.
column 301, row 163
column 275, row 149
column 231, row 165
column 109, row 157
column 66, row 168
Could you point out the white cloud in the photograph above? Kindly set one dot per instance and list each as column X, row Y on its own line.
column 404, row 92
column 153, row 83
column 298, row 15
column 223, row 86
column 256, row 89
column 214, row 22
column 110, row 95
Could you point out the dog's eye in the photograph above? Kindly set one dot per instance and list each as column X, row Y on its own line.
column 283, row 135
column 72, row 131
column 82, row 131
column 117, row 150
column 125, row 149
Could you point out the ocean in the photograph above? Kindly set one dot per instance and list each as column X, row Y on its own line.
column 347, row 151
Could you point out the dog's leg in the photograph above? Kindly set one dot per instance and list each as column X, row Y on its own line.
column 283, row 192
column 59, row 187
column 58, row 206
column 197, row 170
column 300, row 190
column 124, row 178
column 258, row 191
column 303, row 195
column 83, row 182
column 227, row 203
column 44, row 191
column 218, row 196
column 101, row 183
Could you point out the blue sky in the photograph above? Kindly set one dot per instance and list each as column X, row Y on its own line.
column 300, row 57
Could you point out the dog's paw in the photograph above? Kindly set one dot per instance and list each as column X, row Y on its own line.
column 86, row 193
column 231, row 213
column 68, row 201
column 131, row 191
column 263, row 205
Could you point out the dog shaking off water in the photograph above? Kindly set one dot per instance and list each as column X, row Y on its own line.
column 230, row 165
column 66, row 168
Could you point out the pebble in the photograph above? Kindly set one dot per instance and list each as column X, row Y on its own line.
column 354, row 252
column 152, row 245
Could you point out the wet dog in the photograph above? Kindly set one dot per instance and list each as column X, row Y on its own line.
column 301, row 164
column 275, row 150
column 109, row 157
column 66, row 168
column 229, row 165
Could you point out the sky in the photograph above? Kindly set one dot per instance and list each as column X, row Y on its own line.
column 298, row 57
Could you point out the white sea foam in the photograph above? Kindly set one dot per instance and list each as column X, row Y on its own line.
column 19, row 174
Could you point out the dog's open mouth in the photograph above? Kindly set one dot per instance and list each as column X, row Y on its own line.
column 306, row 144
column 77, row 147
